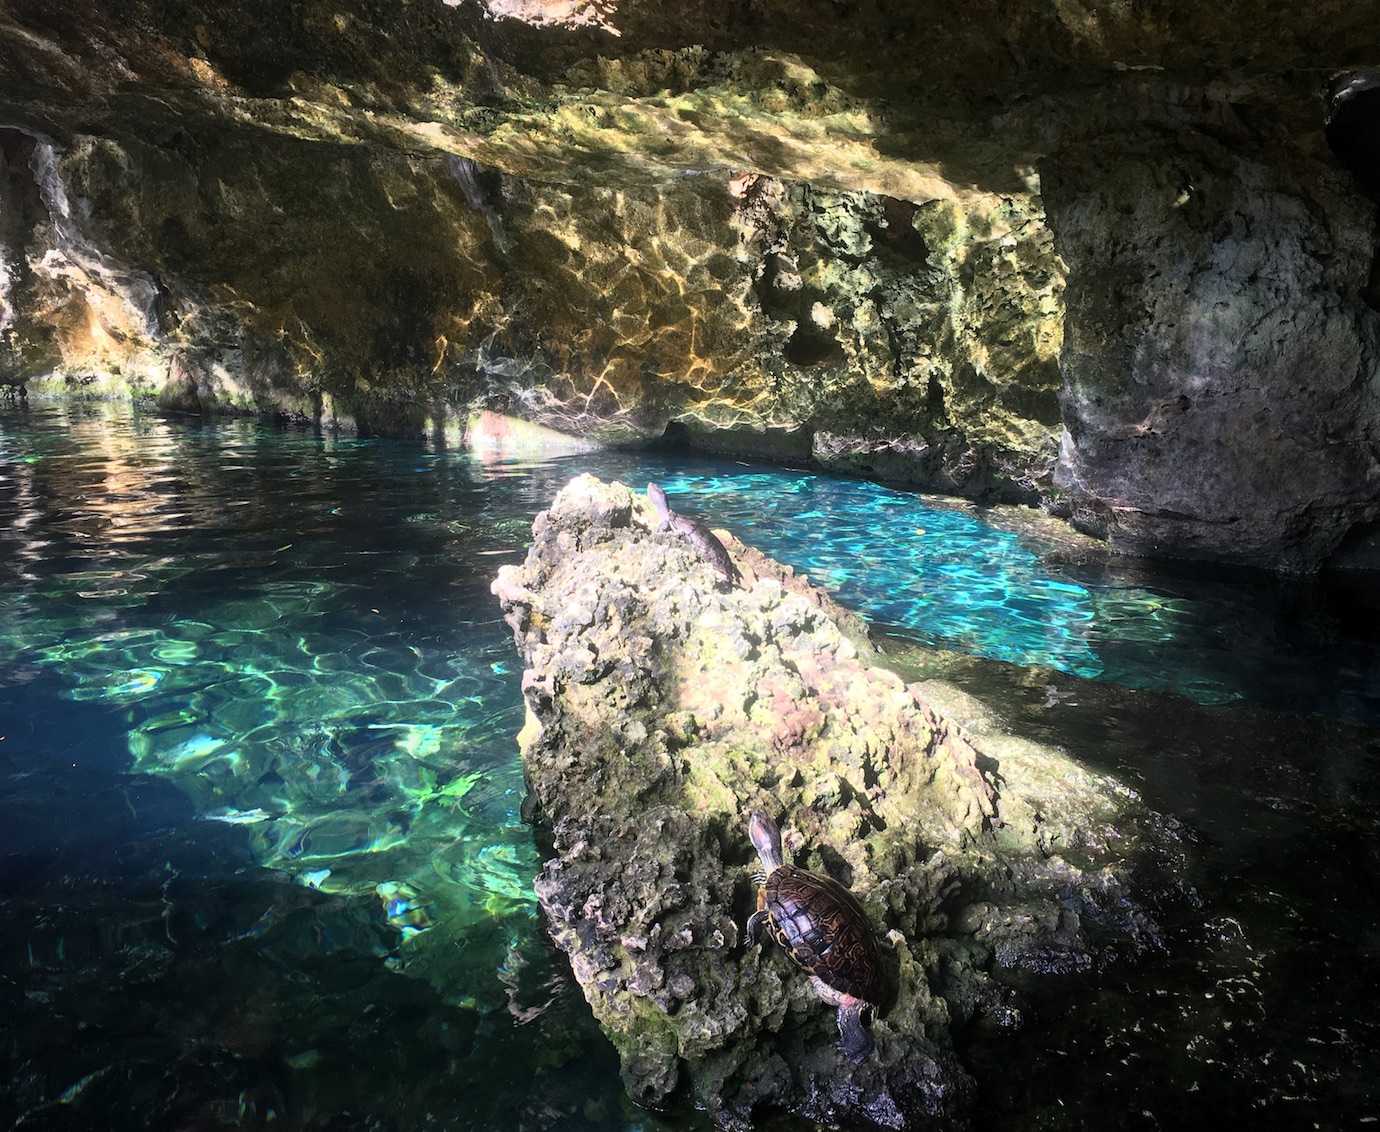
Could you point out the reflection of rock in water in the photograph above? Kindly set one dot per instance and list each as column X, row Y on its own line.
column 660, row 711
column 533, row 987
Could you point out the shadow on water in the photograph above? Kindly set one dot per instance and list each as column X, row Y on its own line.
column 1265, row 1002
column 261, row 858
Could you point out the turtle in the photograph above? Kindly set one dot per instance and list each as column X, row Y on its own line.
column 695, row 533
column 824, row 929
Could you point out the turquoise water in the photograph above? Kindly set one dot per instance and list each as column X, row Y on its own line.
column 944, row 577
column 258, row 712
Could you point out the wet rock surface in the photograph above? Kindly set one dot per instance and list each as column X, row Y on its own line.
column 661, row 710
column 933, row 250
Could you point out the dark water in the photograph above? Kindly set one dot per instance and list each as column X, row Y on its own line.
column 260, row 854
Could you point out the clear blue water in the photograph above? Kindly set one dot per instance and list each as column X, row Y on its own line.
column 257, row 761
column 943, row 577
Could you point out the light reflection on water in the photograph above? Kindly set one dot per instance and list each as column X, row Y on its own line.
column 943, row 577
column 296, row 631
column 259, row 618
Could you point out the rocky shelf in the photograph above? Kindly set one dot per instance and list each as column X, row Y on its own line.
column 662, row 707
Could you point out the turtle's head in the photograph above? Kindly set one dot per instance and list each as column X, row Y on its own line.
column 658, row 498
column 766, row 839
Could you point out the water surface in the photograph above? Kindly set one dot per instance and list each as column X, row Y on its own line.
column 260, row 852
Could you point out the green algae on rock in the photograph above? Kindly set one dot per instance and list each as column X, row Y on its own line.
column 660, row 711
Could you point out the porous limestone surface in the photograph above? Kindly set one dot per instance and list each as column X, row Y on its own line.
column 662, row 707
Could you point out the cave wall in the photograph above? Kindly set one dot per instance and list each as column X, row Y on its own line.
column 61, row 295
column 1089, row 259
column 389, row 289
column 1220, row 366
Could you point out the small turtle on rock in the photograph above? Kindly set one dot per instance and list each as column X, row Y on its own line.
column 825, row 930
column 695, row 533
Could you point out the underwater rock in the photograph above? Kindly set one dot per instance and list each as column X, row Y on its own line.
column 661, row 711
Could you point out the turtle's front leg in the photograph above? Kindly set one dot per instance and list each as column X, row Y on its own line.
column 758, row 920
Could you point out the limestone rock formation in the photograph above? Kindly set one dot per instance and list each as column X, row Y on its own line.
column 1219, row 364
column 946, row 249
column 662, row 709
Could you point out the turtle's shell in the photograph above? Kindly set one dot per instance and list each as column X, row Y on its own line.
column 824, row 929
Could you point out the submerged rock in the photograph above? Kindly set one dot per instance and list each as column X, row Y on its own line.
column 660, row 711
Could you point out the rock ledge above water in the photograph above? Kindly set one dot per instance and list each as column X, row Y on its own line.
column 661, row 709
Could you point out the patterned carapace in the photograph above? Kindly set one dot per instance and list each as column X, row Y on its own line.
column 822, row 927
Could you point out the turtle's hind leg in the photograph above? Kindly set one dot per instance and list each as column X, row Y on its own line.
column 855, row 1043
